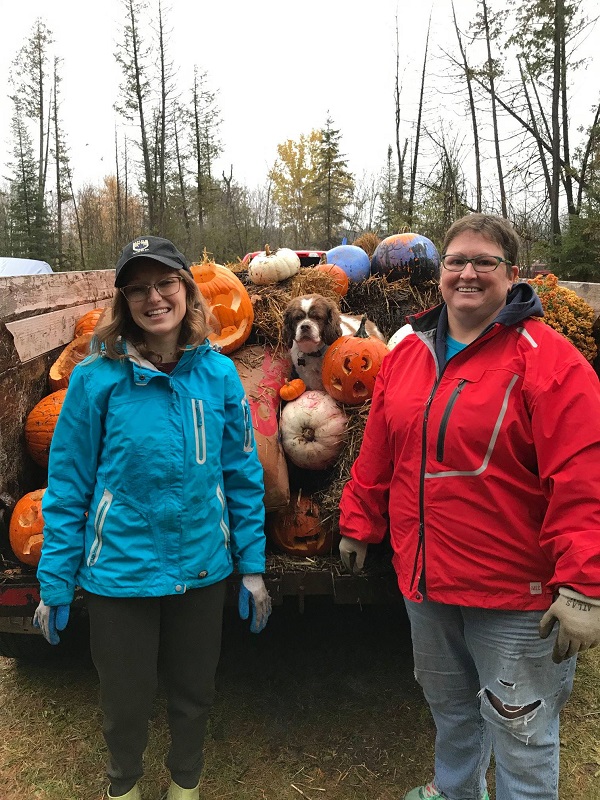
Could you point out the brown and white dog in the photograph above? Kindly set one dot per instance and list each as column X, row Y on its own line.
column 311, row 323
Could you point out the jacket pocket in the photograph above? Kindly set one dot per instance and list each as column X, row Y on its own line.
column 445, row 418
column 199, row 430
column 248, row 432
column 223, row 524
column 101, row 512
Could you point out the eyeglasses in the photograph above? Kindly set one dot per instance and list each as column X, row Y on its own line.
column 479, row 263
column 136, row 292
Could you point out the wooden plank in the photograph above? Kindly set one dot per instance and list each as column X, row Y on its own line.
column 26, row 295
column 34, row 336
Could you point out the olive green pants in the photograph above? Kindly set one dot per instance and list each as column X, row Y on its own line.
column 133, row 639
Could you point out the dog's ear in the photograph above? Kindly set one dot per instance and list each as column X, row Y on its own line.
column 287, row 331
column 333, row 326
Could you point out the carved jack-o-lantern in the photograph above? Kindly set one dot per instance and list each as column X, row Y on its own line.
column 40, row 424
column 229, row 303
column 350, row 366
column 73, row 354
column 26, row 528
column 298, row 529
column 88, row 321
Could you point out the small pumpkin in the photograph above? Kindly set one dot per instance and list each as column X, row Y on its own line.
column 340, row 278
column 40, row 424
column 292, row 389
column 313, row 430
column 228, row 301
column 26, row 528
column 298, row 529
column 73, row 354
column 268, row 267
column 351, row 364
column 88, row 322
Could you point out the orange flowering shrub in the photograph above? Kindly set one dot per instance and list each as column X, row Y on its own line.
column 567, row 313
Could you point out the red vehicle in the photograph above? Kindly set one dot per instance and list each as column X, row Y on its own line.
column 37, row 312
column 308, row 258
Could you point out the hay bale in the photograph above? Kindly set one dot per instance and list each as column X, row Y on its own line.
column 368, row 242
column 388, row 303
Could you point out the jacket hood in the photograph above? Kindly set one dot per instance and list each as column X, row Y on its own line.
column 522, row 302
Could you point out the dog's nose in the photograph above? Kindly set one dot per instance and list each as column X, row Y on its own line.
column 305, row 326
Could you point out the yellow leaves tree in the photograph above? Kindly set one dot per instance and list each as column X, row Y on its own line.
column 293, row 176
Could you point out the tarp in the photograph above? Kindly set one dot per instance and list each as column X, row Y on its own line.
column 23, row 266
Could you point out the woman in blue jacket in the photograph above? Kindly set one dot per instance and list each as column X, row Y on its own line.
column 155, row 494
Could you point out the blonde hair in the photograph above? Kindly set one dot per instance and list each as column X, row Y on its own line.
column 493, row 227
column 109, row 337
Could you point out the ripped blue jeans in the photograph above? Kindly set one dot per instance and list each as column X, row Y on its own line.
column 471, row 662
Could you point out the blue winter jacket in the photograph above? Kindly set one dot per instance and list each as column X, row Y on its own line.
column 154, row 483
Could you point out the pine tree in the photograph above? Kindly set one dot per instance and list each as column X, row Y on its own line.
column 332, row 185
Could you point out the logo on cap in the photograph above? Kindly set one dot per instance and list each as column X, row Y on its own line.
column 140, row 245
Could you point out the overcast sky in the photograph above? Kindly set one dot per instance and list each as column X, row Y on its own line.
column 278, row 67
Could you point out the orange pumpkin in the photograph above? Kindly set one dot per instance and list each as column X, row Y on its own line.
column 229, row 303
column 88, row 322
column 40, row 424
column 292, row 389
column 340, row 278
column 350, row 366
column 298, row 528
column 26, row 528
column 74, row 352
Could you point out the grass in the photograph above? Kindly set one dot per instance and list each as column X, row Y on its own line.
column 320, row 706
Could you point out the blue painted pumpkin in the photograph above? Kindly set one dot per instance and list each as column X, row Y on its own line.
column 406, row 255
column 352, row 259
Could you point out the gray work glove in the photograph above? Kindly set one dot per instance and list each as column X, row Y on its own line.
column 353, row 553
column 50, row 619
column 578, row 620
column 253, row 593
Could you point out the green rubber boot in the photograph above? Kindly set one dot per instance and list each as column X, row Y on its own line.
column 430, row 792
column 178, row 793
column 132, row 794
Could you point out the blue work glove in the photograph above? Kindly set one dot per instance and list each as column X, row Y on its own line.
column 253, row 592
column 50, row 620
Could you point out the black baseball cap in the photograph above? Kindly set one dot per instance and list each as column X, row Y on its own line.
column 153, row 247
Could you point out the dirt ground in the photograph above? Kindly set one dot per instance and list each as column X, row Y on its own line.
column 320, row 706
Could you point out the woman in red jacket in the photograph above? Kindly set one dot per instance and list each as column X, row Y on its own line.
column 481, row 455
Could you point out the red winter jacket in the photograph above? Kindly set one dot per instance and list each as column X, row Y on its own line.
column 486, row 469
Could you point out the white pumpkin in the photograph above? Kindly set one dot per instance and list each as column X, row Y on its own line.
column 313, row 430
column 268, row 267
column 397, row 337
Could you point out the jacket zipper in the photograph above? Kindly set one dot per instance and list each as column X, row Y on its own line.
column 199, row 431
column 421, row 542
column 101, row 512
column 222, row 523
column 445, row 417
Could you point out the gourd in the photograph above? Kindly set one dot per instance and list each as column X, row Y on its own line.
column 351, row 364
column 406, row 255
column 292, row 389
column 40, row 424
column 228, row 302
column 313, row 430
column 353, row 260
column 88, row 322
column 73, row 354
column 268, row 267
column 340, row 278
column 26, row 528
column 298, row 529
